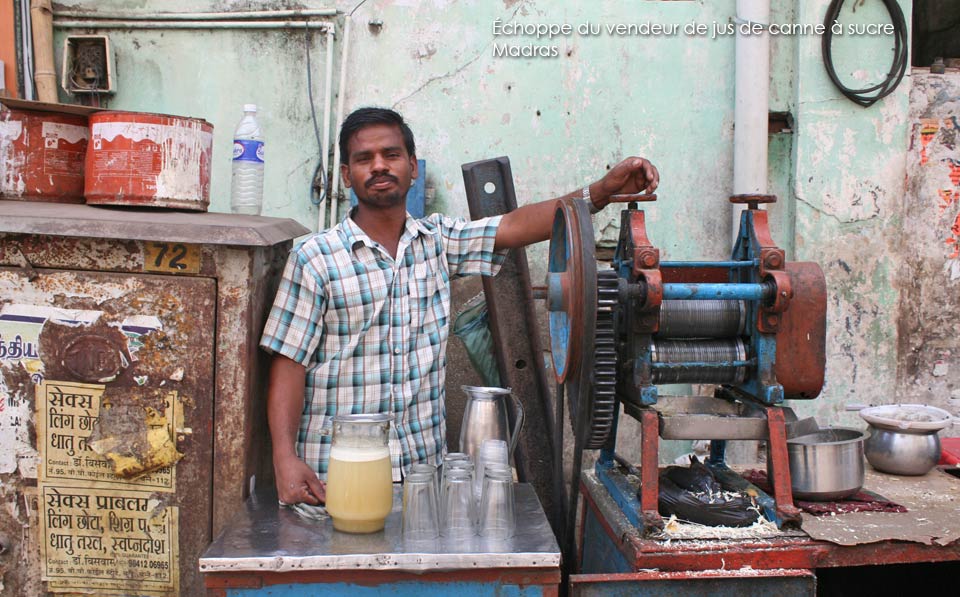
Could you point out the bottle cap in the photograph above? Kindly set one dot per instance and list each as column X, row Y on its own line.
column 249, row 107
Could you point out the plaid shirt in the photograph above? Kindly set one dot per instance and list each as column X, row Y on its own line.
column 372, row 332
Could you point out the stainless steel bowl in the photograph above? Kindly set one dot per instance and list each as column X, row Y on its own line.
column 902, row 451
column 826, row 465
column 903, row 438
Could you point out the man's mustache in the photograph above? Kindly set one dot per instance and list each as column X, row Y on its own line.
column 378, row 179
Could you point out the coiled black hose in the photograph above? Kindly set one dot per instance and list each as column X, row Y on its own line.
column 868, row 95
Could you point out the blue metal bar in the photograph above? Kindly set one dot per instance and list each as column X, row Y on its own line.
column 745, row 292
column 622, row 492
column 717, row 264
column 718, row 451
column 763, row 383
column 606, row 458
column 703, row 365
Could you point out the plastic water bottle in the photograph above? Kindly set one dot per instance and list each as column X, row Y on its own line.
column 246, row 189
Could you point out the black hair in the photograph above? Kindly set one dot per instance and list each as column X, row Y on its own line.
column 364, row 117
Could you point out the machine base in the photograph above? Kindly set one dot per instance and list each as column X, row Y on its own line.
column 768, row 423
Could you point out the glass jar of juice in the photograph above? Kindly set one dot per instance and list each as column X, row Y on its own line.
column 359, row 479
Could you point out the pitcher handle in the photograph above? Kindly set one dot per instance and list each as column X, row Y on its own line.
column 518, row 413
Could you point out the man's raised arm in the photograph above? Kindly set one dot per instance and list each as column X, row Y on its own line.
column 532, row 223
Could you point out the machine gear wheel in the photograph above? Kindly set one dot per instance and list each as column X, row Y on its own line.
column 582, row 307
column 604, row 361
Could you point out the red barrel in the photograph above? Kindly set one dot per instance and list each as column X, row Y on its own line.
column 150, row 160
column 41, row 156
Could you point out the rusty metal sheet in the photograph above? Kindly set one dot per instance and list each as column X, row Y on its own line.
column 146, row 224
column 48, row 107
column 246, row 286
column 140, row 337
column 57, row 252
column 240, row 433
column 116, row 255
column 516, row 340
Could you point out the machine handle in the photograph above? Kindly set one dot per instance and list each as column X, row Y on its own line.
column 633, row 197
column 752, row 201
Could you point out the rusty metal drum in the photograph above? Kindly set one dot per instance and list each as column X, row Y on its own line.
column 151, row 160
column 42, row 156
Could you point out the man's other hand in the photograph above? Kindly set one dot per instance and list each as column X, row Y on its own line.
column 631, row 176
column 296, row 482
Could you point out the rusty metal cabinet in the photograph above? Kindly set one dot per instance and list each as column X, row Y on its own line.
column 132, row 412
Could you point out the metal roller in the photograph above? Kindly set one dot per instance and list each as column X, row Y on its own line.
column 699, row 351
column 702, row 319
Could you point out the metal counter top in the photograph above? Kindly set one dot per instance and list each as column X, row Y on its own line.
column 267, row 538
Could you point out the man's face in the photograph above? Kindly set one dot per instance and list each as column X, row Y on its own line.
column 379, row 169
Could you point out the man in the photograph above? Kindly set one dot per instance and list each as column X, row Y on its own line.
column 360, row 321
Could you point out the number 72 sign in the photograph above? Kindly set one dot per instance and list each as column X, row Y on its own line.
column 171, row 258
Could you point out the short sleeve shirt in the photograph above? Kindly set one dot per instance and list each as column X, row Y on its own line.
column 372, row 330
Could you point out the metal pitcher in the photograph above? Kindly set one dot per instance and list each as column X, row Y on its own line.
column 485, row 417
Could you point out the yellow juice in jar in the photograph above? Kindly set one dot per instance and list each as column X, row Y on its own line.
column 359, row 488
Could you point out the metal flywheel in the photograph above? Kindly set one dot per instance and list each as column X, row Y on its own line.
column 582, row 306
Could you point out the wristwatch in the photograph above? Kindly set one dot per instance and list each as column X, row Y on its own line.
column 586, row 197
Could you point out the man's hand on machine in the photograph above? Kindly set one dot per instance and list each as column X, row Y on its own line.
column 533, row 222
column 297, row 483
column 631, row 176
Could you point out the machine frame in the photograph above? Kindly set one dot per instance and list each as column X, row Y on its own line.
column 783, row 340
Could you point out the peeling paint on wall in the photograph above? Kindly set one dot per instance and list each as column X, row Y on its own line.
column 848, row 174
column 940, row 161
column 928, row 130
column 927, row 355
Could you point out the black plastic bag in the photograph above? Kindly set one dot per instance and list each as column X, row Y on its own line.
column 693, row 494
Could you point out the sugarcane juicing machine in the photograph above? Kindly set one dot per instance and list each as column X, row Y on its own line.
column 753, row 325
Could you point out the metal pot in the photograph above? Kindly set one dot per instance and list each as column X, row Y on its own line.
column 826, row 465
column 901, row 452
column 903, row 438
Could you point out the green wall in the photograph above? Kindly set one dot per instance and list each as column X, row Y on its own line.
column 839, row 173
column 210, row 75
